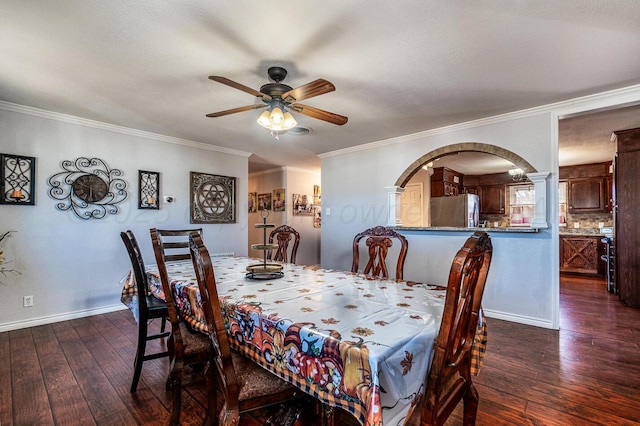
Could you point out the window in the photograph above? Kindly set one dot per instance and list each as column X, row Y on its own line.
column 521, row 205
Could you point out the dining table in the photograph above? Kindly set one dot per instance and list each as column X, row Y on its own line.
column 351, row 341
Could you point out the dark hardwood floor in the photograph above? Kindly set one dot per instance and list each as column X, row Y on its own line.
column 78, row 372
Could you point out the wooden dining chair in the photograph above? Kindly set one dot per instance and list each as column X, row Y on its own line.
column 242, row 384
column 283, row 235
column 149, row 308
column 175, row 243
column 186, row 347
column 449, row 379
column 379, row 240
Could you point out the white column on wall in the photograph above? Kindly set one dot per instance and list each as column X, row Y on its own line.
column 540, row 187
column 393, row 194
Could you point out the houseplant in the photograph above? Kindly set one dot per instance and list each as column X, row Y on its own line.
column 4, row 269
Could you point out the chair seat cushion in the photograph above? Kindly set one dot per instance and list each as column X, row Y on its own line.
column 156, row 308
column 254, row 381
column 154, row 303
column 196, row 345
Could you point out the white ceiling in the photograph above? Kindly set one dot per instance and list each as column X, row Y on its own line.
column 399, row 67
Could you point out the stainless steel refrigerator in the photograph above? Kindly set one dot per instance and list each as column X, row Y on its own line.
column 459, row 211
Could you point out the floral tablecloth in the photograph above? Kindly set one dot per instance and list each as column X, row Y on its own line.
column 361, row 344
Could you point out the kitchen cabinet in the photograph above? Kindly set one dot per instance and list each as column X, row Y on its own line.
column 588, row 187
column 627, row 231
column 581, row 254
column 587, row 195
column 445, row 182
column 492, row 199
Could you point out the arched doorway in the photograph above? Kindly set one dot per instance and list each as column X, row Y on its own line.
column 463, row 147
column 491, row 162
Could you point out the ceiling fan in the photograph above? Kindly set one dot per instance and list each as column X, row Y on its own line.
column 280, row 99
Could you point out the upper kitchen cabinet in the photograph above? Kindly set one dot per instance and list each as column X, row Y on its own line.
column 586, row 195
column 445, row 182
column 491, row 189
column 492, row 199
column 587, row 187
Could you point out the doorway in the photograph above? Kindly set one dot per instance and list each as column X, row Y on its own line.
column 585, row 139
column 412, row 205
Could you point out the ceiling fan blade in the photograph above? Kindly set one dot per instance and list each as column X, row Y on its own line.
column 319, row 114
column 309, row 90
column 234, row 110
column 239, row 86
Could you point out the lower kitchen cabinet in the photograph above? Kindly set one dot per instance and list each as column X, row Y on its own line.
column 581, row 254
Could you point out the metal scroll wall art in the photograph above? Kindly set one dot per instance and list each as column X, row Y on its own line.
column 17, row 177
column 149, row 190
column 88, row 187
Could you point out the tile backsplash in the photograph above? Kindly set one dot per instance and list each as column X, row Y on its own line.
column 589, row 220
column 586, row 220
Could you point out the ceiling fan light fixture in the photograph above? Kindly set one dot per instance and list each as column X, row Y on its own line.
column 264, row 120
column 276, row 120
column 277, row 117
column 279, row 98
column 289, row 121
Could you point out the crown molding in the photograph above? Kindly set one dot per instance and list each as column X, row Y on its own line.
column 285, row 169
column 619, row 97
column 56, row 116
column 267, row 172
column 300, row 170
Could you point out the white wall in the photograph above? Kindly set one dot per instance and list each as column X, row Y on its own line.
column 264, row 182
column 72, row 267
column 521, row 281
column 295, row 181
column 302, row 182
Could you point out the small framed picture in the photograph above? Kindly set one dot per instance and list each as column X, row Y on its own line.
column 264, row 201
column 302, row 205
column 317, row 196
column 253, row 202
column 278, row 200
column 317, row 216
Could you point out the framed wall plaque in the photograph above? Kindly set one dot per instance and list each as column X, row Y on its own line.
column 213, row 198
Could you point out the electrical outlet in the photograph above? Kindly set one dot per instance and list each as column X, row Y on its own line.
column 27, row 301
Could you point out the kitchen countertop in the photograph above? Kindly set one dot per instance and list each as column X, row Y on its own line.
column 577, row 232
column 581, row 232
column 453, row 229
